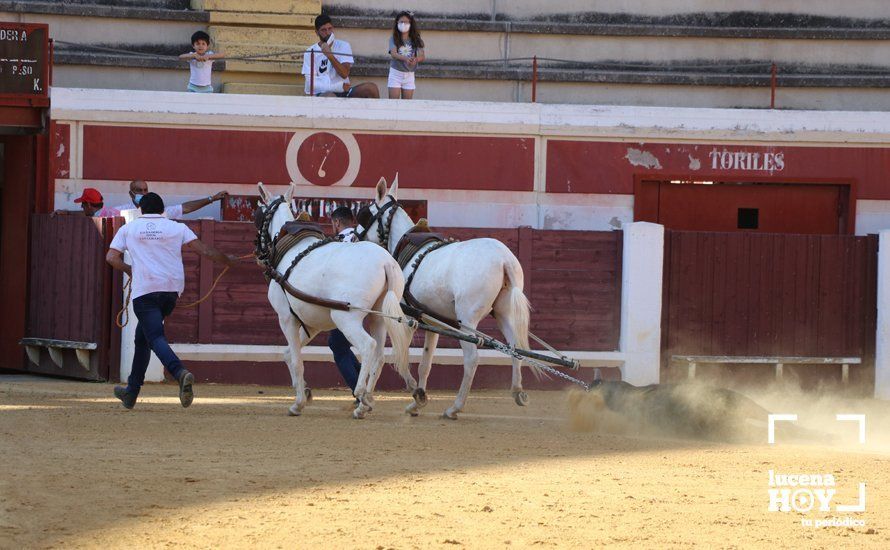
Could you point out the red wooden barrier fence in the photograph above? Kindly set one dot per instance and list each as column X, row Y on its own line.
column 572, row 278
column 771, row 295
column 71, row 292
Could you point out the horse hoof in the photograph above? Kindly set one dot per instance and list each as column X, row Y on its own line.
column 358, row 414
column 368, row 402
column 308, row 393
column 412, row 409
column 521, row 398
column 450, row 414
column 293, row 410
column 420, row 397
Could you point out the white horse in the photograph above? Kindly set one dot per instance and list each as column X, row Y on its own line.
column 464, row 281
column 361, row 274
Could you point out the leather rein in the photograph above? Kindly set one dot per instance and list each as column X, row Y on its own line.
column 367, row 219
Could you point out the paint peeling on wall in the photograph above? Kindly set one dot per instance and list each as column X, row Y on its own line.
column 643, row 159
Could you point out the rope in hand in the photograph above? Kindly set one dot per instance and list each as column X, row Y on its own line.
column 123, row 316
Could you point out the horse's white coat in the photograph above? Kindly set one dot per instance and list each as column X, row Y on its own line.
column 464, row 281
column 361, row 274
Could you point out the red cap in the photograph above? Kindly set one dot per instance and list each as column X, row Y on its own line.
column 90, row 195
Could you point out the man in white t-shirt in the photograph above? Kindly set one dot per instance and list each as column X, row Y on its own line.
column 333, row 61
column 138, row 188
column 157, row 279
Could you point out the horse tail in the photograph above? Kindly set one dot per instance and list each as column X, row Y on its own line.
column 399, row 333
column 520, row 308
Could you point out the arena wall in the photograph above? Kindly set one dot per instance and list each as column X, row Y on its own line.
column 478, row 165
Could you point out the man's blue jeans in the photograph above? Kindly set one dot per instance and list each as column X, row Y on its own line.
column 150, row 310
column 346, row 361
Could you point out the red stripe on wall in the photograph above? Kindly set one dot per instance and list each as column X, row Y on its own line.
column 183, row 155
column 448, row 162
column 233, row 156
column 603, row 167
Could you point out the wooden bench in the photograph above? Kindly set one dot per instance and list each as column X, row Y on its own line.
column 779, row 361
column 55, row 348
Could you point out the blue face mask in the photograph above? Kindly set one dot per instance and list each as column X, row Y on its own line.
column 137, row 198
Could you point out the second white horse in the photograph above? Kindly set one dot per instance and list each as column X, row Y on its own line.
column 465, row 281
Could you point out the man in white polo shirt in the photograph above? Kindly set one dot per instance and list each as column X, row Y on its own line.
column 138, row 189
column 157, row 279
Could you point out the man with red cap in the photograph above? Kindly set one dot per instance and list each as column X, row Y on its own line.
column 91, row 203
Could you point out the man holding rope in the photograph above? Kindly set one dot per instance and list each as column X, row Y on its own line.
column 157, row 279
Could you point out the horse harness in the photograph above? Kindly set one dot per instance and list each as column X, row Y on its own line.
column 414, row 241
column 271, row 252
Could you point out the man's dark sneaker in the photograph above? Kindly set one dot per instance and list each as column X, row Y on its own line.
column 186, row 394
column 128, row 399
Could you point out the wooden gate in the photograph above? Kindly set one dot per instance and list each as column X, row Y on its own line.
column 744, row 294
column 71, row 299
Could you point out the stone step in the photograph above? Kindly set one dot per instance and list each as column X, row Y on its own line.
column 124, row 33
column 573, row 9
column 469, row 46
column 260, row 6
column 739, row 72
column 154, row 12
column 232, row 18
column 157, row 4
column 289, row 38
column 732, row 25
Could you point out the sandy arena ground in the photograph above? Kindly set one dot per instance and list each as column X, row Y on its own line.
column 234, row 472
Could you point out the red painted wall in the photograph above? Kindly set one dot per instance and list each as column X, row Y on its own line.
column 606, row 167
column 230, row 156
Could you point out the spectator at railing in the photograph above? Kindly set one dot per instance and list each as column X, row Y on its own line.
column 92, row 204
column 406, row 50
column 200, row 63
column 139, row 188
column 329, row 76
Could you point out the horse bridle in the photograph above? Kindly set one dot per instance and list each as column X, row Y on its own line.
column 262, row 218
column 367, row 219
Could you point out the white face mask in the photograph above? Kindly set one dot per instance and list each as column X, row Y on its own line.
column 403, row 27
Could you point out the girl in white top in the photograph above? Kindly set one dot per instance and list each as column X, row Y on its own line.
column 200, row 63
column 406, row 50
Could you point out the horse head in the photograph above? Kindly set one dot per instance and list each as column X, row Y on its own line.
column 269, row 217
column 376, row 221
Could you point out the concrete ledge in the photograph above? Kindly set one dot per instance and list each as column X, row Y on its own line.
column 633, row 123
column 102, row 10
column 710, row 25
column 700, row 73
column 148, row 61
